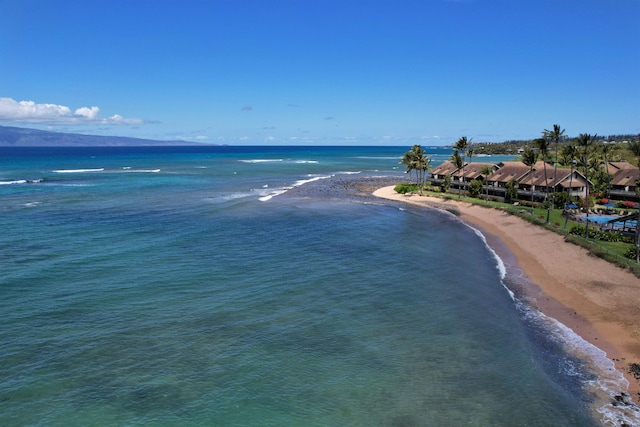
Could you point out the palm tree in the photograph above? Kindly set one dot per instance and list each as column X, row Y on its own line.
column 569, row 156
column 462, row 148
column 529, row 158
column 422, row 165
column 607, row 150
column 585, row 141
column 407, row 161
column 457, row 160
column 543, row 145
column 415, row 160
column 555, row 135
column 486, row 171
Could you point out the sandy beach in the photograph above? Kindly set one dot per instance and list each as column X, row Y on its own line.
column 594, row 298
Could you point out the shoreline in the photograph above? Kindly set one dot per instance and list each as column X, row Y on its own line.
column 596, row 299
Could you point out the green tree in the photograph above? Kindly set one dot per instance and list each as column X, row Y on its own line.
column 457, row 160
column 554, row 135
column 416, row 160
column 462, row 148
column 475, row 188
column 529, row 158
column 634, row 146
column 585, row 143
column 607, row 151
column 486, row 171
column 569, row 153
column 511, row 193
column 446, row 183
column 543, row 146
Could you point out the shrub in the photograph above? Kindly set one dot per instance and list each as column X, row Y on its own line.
column 609, row 236
column 579, row 230
column 560, row 199
column 631, row 253
column 405, row 187
column 475, row 188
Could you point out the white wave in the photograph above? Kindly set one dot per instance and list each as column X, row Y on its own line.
column 499, row 263
column 282, row 190
column 32, row 204
column 348, row 173
column 143, row 170
column 21, row 181
column 234, row 196
column 78, row 170
column 261, row 160
column 274, row 193
column 608, row 383
column 279, row 161
column 306, row 181
column 126, row 167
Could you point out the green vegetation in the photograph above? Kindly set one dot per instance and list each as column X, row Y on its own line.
column 416, row 161
column 625, row 147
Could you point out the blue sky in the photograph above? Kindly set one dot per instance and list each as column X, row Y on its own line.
column 321, row 72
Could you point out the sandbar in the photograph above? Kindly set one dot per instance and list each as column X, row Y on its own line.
column 596, row 299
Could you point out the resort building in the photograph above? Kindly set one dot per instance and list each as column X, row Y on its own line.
column 495, row 184
column 624, row 183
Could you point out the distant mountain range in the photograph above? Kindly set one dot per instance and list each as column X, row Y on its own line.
column 23, row 137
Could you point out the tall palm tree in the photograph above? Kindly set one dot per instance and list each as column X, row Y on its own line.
column 543, row 146
column 457, row 160
column 407, row 161
column 569, row 156
column 555, row 135
column 529, row 158
column 462, row 148
column 486, row 171
column 585, row 141
column 607, row 151
column 415, row 160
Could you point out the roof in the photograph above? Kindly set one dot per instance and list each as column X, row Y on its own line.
column 626, row 177
column 445, row 168
column 473, row 170
column 509, row 171
column 613, row 167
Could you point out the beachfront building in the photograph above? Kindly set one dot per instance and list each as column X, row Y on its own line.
column 439, row 172
column 495, row 184
column 561, row 180
column 459, row 177
column 624, row 183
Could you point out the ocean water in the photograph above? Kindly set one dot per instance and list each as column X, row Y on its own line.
column 253, row 286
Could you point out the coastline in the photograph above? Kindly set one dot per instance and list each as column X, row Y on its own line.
column 595, row 299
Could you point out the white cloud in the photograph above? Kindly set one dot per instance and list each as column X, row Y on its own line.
column 89, row 113
column 30, row 112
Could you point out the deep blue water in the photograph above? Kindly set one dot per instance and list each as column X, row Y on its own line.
column 193, row 286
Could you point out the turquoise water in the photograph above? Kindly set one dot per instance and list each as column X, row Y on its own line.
column 207, row 286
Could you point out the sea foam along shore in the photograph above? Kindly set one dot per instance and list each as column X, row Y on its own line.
column 595, row 299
